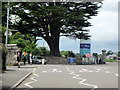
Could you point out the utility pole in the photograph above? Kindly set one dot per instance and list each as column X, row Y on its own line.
column 7, row 24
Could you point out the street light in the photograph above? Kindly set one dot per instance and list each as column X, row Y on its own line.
column 7, row 24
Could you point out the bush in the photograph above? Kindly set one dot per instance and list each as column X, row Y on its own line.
column 3, row 51
column 110, row 60
column 41, row 51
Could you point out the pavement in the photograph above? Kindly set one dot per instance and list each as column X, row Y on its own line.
column 14, row 76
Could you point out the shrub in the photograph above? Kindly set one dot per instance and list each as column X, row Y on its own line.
column 3, row 53
column 110, row 60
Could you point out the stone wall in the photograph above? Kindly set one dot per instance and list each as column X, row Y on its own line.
column 11, row 57
column 55, row 60
column 61, row 60
column 12, row 54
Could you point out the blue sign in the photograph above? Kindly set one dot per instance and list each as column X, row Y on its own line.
column 84, row 51
column 71, row 60
column 85, row 48
column 84, row 45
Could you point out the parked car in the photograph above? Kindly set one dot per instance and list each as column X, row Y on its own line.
column 118, row 59
column 38, row 60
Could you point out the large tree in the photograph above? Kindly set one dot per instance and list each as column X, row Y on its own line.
column 50, row 20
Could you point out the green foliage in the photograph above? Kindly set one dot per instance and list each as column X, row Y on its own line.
column 64, row 53
column 50, row 20
column 110, row 60
column 3, row 49
column 36, row 51
column 67, row 54
column 109, row 52
column 40, row 17
column 23, row 41
column 2, row 32
column 3, row 52
column 95, row 54
column 18, row 39
column 41, row 51
column 44, row 51
column 71, row 54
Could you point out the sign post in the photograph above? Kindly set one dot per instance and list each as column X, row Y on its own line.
column 85, row 47
column 85, row 51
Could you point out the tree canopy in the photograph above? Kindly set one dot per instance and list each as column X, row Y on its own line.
column 50, row 20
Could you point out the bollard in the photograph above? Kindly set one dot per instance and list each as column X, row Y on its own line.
column 43, row 61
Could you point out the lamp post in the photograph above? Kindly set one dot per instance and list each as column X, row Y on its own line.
column 7, row 24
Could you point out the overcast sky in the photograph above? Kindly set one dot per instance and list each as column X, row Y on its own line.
column 104, row 32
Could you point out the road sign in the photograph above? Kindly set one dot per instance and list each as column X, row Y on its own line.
column 9, row 33
column 71, row 60
column 85, row 47
column 88, row 55
column 84, row 51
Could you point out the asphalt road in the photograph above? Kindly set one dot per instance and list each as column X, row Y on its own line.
column 73, row 76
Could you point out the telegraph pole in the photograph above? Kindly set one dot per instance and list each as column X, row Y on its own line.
column 7, row 24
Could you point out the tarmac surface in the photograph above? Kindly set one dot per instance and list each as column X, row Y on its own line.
column 81, row 77
column 88, row 77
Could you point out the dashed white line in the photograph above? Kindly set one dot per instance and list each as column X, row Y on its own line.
column 83, row 80
column 111, row 73
column 54, row 70
column 116, row 74
column 107, row 72
column 44, row 71
column 36, row 75
column 32, row 78
column 34, row 70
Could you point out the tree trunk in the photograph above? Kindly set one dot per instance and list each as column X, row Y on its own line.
column 54, row 46
column 4, row 53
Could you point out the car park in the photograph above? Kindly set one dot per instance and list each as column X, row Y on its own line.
column 38, row 60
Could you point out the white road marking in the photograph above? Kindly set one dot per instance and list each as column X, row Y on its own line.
column 44, row 71
column 32, row 78
column 85, row 70
column 91, row 71
column 107, row 72
column 68, row 69
column 36, row 75
column 76, row 76
column 28, row 84
column 34, row 70
column 116, row 74
column 98, row 70
column 111, row 73
column 54, row 70
column 83, row 82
